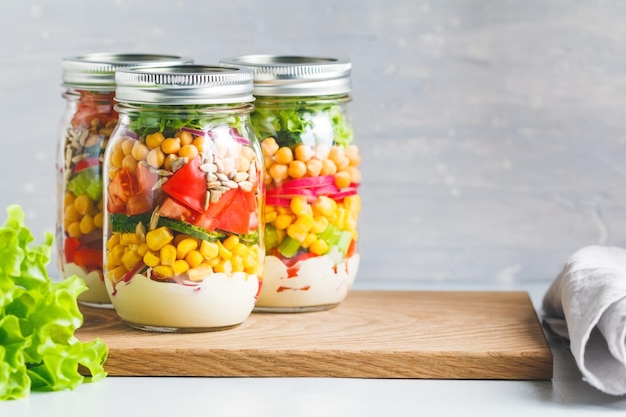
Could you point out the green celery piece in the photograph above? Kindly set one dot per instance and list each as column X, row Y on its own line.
column 88, row 182
column 343, row 242
column 94, row 190
column 289, row 247
column 271, row 236
column 330, row 235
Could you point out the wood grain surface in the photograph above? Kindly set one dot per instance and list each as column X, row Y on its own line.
column 372, row 334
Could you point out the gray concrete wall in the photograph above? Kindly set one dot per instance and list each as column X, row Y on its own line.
column 492, row 132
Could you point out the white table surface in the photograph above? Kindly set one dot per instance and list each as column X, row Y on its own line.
column 565, row 395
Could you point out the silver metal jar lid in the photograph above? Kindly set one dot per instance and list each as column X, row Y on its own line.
column 184, row 84
column 276, row 75
column 97, row 71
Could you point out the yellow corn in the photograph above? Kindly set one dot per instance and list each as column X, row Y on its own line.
column 98, row 220
column 194, row 258
column 130, row 259
column 158, row 238
column 299, row 206
column 142, row 249
column 310, row 238
column 319, row 247
column 128, row 239
column 209, row 249
column 249, row 260
column 185, row 246
column 86, row 224
column 116, row 254
column 224, row 253
column 237, row 263
column 163, row 271
column 200, row 272
column 325, row 206
column 213, row 262
column 352, row 203
column 167, row 254
column 151, row 259
column 117, row 273
column 283, row 221
column 180, row 266
column 225, row 266
column 71, row 213
column 320, row 223
column 304, row 222
column 230, row 242
column 239, row 249
column 270, row 216
column 74, row 229
column 296, row 233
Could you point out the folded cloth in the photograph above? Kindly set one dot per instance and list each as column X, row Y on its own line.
column 586, row 304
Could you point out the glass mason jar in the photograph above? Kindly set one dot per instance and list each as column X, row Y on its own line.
column 183, row 198
column 88, row 121
column 312, row 179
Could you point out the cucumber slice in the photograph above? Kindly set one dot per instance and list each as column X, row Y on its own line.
column 122, row 223
column 190, row 229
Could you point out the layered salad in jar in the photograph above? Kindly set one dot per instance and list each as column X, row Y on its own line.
column 79, row 233
column 311, row 207
column 184, row 245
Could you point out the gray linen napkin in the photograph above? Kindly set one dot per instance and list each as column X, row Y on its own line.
column 586, row 304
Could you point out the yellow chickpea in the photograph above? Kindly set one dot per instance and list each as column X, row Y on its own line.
column 186, row 138
column 170, row 146
column 117, row 157
column 314, row 167
column 328, row 167
column 355, row 174
column 269, row 146
column 278, row 172
column 198, row 142
column 155, row 158
column 130, row 163
column 342, row 179
column 303, row 153
column 284, row 155
column 154, row 140
column 352, row 152
column 188, row 151
column 139, row 151
column 167, row 162
column 127, row 145
column 297, row 169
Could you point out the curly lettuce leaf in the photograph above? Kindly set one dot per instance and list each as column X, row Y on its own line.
column 38, row 318
column 300, row 123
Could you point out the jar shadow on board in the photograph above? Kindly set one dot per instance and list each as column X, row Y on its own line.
column 312, row 177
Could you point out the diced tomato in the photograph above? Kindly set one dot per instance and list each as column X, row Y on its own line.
column 351, row 248
column 145, row 179
column 89, row 258
column 70, row 246
column 138, row 203
column 87, row 163
column 188, row 185
column 173, row 210
column 121, row 188
column 235, row 217
column 209, row 218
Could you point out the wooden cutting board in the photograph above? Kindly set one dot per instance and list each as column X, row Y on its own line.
column 372, row 334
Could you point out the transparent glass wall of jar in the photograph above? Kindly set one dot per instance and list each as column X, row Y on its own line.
column 183, row 198
column 312, row 177
column 87, row 123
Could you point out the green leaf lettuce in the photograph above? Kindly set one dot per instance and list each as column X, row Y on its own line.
column 38, row 318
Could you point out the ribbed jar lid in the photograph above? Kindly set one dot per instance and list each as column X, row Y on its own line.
column 278, row 75
column 97, row 71
column 184, row 84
